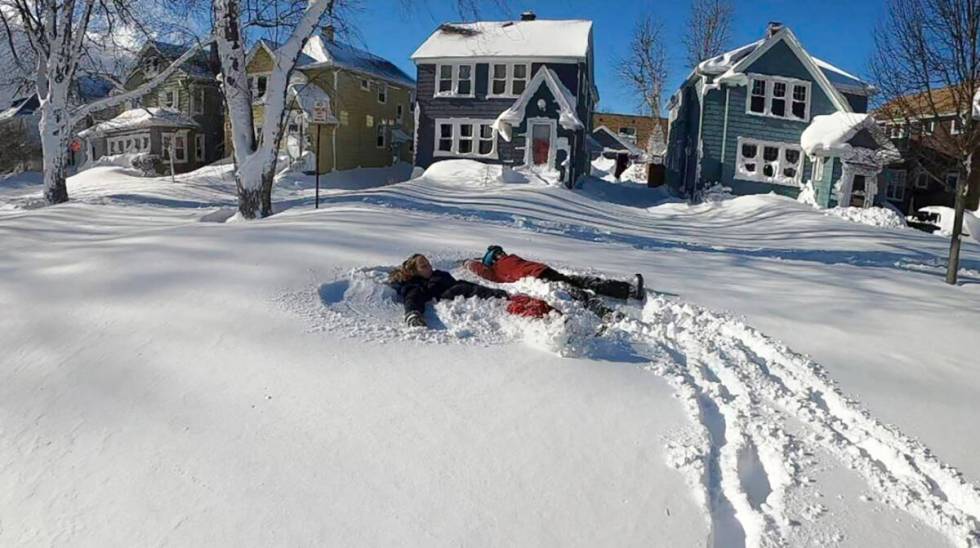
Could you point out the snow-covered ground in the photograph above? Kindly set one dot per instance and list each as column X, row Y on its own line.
column 799, row 380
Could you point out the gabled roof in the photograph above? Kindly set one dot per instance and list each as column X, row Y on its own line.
column 87, row 88
column 538, row 38
column 944, row 99
column 731, row 64
column 513, row 116
column 831, row 135
column 320, row 52
column 614, row 143
column 326, row 52
column 198, row 66
column 25, row 106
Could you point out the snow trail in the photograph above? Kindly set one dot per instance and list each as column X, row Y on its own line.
column 755, row 384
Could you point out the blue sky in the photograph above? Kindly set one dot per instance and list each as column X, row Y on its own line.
column 837, row 31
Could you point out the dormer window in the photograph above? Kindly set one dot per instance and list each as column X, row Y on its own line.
column 151, row 66
column 775, row 97
column 454, row 81
column 170, row 98
column 259, row 83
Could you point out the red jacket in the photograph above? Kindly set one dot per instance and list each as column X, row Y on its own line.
column 507, row 269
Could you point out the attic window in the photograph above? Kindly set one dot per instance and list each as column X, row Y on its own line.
column 365, row 85
column 382, row 93
column 152, row 66
column 769, row 96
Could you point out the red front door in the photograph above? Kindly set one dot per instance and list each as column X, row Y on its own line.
column 540, row 144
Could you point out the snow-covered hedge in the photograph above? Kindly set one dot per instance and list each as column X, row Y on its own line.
column 874, row 216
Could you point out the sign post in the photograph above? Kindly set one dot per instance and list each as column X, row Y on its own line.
column 321, row 111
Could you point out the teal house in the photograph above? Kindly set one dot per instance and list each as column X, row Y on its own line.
column 769, row 117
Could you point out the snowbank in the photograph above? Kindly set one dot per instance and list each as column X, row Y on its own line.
column 872, row 216
column 971, row 221
column 351, row 179
column 469, row 173
column 141, row 118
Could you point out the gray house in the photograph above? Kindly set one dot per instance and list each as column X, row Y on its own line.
column 516, row 93
column 739, row 119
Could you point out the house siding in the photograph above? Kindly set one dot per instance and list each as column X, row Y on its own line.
column 481, row 107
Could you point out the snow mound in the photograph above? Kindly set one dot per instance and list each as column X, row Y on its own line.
column 873, row 216
column 469, row 174
column 971, row 221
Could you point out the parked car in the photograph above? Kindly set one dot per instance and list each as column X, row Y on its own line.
column 924, row 219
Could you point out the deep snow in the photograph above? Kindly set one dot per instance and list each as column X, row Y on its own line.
column 168, row 381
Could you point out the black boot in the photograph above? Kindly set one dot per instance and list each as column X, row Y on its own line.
column 638, row 292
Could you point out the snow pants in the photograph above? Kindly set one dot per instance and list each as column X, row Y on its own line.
column 584, row 289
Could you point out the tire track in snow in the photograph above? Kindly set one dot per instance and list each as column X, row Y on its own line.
column 741, row 387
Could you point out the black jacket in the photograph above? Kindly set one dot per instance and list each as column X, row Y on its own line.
column 417, row 291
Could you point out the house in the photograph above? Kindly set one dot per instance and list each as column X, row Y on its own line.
column 367, row 100
column 646, row 132
column 615, row 146
column 738, row 120
column 515, row 93
column 927, row 128
column 19, row 122
column 181, row 120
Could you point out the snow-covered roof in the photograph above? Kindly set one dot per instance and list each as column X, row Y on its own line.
column 612, row 142
column 537, row 38
column 199, row 65
column 140, row 118
column 727, row 64
column 830, row 135
column 321, row 51
column 24, row 106
column 513, row 116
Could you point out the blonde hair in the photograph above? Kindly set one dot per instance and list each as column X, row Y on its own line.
column 407, row 270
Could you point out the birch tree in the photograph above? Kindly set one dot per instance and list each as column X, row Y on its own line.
column 926, row 65
column 709, row 29
column 256, row 155
column 60, row 36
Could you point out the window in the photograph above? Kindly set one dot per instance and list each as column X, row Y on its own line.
column 382, row 93
column 930, row 127
column 198, row 101
column 956, row 126
column 381, row 141
column 180, row 148
column 951, row 179
column 199, row 147
column 399, row 112
column 629, row 133
column 170, row 98
column 344, row 118
column 783, row 98
column 128, row 143
column 508, row 79
column 454, row 80
column 366, row 85
column 897, row 131
column 895, row 189
column 151, row 66
column 369, row 120
column 472, row 138
column 922, row 181
column 778, row 163
column 259, row 83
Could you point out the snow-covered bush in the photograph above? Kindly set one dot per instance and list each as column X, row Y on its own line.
column 716, row 192
column 145, row 163
column 808, row 195
column 874, row 216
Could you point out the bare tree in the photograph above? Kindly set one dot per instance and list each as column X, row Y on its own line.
column 926, row 65
column 644, row 68
column 62, row 35
column 708, row 29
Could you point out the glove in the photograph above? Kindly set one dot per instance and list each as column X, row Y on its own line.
column 414, row 319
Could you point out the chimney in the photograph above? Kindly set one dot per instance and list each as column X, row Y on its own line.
column 328, row 32
column 528, row 16
column 773, row 28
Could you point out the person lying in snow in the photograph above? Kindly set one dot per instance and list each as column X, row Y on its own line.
column 417, row 283
column 501, row 267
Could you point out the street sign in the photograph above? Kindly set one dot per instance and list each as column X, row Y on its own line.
column 321, row 112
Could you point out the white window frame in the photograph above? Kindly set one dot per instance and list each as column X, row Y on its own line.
column 380, row 133
column 818, row 166
column 382, row 93
column 895, row 187
column 508, row 79
column 173, row 95
column 253, row 84
column 178, row 158
column 455, row 124
column 200, row 153
column 956, row 179
column 133, row 142
column 365, row 84
column 197, row 100
column 788, row 97
column 741, row 172
column 454, row 80
column 953, row 129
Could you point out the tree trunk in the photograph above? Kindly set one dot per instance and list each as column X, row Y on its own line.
column 254, row 184
column 962, row 187
column 55, row 134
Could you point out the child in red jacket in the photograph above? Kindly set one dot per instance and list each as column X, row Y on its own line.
column 500, row 267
